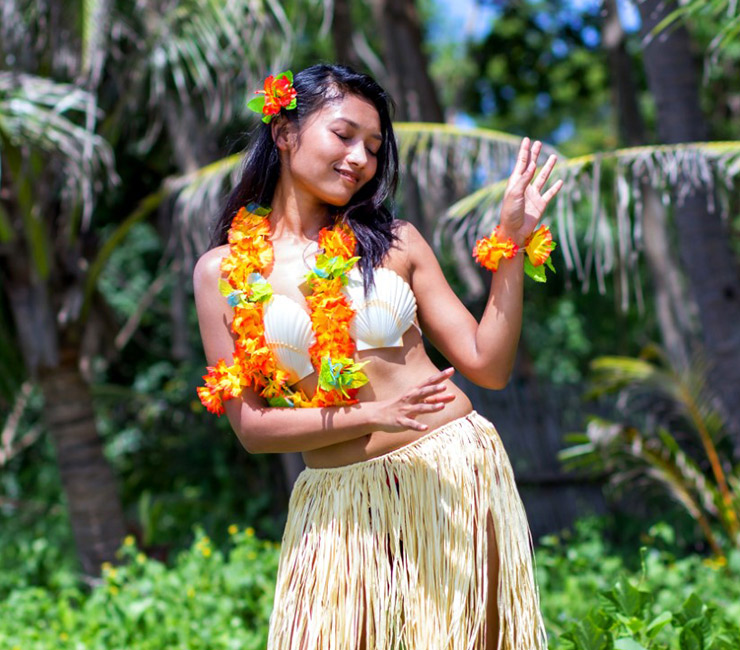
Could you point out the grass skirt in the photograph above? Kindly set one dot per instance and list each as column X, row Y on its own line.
column 394, row 549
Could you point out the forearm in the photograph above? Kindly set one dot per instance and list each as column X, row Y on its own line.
column 497, row 334
column 276, row 430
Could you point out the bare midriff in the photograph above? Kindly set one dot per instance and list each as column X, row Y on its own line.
column 391, row 372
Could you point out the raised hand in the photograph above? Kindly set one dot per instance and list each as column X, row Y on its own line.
column 524, row 202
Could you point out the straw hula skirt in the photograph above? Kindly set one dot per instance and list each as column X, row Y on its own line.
column 390, row 553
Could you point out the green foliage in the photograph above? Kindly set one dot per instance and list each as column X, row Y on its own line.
column 593, row 597
column 209, row 598
column 539, row 60
column 668, row 434
column 594, row 594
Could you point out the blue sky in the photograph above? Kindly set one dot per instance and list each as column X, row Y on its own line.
column 466, row 18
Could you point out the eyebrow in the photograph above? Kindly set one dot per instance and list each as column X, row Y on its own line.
column 355, row 125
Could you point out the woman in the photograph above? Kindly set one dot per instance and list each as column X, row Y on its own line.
column 406, row 529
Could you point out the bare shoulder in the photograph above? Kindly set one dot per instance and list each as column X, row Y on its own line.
column 208, row 268
column 405, row 249
column 415, row 248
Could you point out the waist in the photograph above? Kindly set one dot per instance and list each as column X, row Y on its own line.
column 381, row 443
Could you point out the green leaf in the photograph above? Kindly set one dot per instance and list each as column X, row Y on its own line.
column 537, row 273
column 691, row 639
column 256, row 104
column 628, row 644
column 261, row 291
column 658, row 623
column 692, row 608
column 225, row 289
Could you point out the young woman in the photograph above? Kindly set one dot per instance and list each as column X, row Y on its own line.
column 406, row 529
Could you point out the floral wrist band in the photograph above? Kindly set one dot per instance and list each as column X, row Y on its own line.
column 489, row 251
column 277, row 94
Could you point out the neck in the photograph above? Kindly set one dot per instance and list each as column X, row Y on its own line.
column 295, row 215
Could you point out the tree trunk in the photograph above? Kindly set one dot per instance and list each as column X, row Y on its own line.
column 408, row 76
column 703, row 240
column 91, row 490
column 342, row 33
column 671, row 300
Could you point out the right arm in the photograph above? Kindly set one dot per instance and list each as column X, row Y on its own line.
column 263, row 429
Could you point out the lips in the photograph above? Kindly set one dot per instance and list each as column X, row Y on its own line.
column 348, row 175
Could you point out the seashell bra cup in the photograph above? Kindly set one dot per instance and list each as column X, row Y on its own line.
column 381, row 319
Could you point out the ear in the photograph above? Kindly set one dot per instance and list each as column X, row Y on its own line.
column 283, row 133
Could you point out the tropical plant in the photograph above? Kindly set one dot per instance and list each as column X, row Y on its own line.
column 187, row 63
column 669, row 435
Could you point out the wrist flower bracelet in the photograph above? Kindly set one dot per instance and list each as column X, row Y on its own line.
column 489, row 251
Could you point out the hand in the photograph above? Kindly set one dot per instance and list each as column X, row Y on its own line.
column 524, row 203
column 428, row 397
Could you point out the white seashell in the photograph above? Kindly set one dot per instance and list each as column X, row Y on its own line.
column 289, row 335
column 381, row 318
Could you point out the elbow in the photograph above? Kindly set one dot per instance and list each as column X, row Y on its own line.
column 251, row 440
column 495, row 382
column 492, row 379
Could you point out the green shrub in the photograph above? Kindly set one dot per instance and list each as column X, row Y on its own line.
column 209, row 599
column 594, row 596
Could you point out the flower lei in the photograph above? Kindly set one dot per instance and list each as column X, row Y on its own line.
column 489, row 251
column 254, row 365
column 278, row 93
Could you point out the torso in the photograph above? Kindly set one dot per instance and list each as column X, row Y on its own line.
column 391, row 371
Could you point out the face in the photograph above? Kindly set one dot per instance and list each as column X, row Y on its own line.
column 336, row 151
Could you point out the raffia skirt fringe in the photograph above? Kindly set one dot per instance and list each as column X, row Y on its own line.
column 394, row 549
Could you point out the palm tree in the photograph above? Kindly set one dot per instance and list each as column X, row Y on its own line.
column 188, row 63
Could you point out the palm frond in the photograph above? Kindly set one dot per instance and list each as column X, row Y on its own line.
column 37, row 114
column 207, row 54
column 725, row 13
column 676, row 171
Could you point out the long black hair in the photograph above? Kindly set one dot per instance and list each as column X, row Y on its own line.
column 368, row 212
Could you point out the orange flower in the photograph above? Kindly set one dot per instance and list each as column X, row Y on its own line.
column 212, row 401
column 338, row 241
column 539, row 245
column 489, row 251
column 254, row 364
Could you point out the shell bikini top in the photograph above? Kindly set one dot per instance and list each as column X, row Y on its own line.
column 380, row 321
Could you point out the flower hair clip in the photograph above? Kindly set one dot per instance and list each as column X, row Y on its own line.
column 277, row 94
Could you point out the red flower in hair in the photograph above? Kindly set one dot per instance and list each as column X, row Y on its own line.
column 278, row 93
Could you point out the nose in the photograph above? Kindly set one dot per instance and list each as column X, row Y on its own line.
column 357, row 155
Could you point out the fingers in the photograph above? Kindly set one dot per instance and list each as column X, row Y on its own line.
column 544, row 174
column 522, row 158
column 547, row 196
column 443, row 375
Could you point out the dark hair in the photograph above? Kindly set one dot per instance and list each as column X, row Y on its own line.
column 368, row 212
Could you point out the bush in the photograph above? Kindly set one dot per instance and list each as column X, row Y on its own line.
column 594, row 596
column 209, row 599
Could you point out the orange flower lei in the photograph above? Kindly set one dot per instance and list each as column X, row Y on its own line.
column 489, row 251
column 254, row 365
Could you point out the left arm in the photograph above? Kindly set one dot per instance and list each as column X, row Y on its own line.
column 484, row 352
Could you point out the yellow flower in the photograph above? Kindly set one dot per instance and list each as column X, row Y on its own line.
column 141, row 558
column 539, row 245
column 251, row 555
column 233, row 529
column 112, row 574
column 249, row 532
column 106, row 566
column 113, row 590
column 206, row 551
column 715, row 563
column 129, row 540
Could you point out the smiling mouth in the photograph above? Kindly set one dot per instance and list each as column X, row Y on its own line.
column 353, row 178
